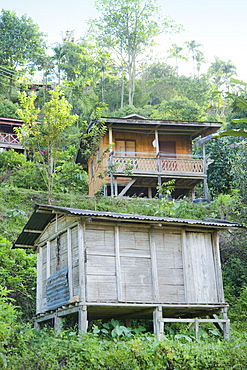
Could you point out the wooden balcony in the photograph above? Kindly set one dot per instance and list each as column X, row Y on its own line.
column 9, row 141
column 149, row 164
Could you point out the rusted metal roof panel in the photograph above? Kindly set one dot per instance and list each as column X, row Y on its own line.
column 43, row 214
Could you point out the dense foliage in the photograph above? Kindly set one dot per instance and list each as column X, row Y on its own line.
column 107, row 74
column 33, row 350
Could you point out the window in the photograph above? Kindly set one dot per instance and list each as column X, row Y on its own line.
column 125, row 147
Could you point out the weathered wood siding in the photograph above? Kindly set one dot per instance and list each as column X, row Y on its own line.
column 98, row 164
column 170, row 265
column 100, row 263
column 200, row 272
column 131, row 262
column 75, row 261
column 135, row 264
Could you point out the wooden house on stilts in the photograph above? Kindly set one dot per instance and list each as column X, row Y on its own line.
column 102, row 265
column 137, row 154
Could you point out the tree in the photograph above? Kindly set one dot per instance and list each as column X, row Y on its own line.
column 21, row 42
column 236, row 132
column 240, row 106
column 175, row 52
column 199, row 58
column 221, row 72
column 128, row 27
column 45, row 140
column 8, row 109
column 181, row 109
column 192, row 47
column 18, row 275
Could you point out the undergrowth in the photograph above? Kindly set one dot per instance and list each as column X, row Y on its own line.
column 41, row 350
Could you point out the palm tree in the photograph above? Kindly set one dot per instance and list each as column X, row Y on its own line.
column 221, row 72
column 175, row 52
column 192, row 47
column 199, row 58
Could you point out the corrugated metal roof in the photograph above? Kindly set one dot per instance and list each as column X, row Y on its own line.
column 43, row 214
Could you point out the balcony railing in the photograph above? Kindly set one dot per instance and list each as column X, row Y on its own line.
column 150, row 163
column 9, row 139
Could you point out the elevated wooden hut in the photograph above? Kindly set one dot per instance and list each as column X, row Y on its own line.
column 137, row 154
column 110, row 265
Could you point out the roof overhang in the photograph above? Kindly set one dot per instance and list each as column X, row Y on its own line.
column 44, row 214
column 192, row 129
column 11, row 121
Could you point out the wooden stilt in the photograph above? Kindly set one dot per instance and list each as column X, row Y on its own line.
column 196, row 324
column 193, row 194
column 57, row 324
column 115, row 187
column 158, row 323
column 226, row 325
column 36, row 325
column 82, row 319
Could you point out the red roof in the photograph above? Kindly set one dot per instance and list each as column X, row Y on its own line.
column 11, row 121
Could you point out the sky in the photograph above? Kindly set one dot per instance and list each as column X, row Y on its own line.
column 219, row 25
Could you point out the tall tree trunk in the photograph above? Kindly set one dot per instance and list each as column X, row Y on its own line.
column 122, row 92
column 132, row 75
column 103, row 86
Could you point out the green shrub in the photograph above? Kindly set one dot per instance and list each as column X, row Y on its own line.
column 18, row 275
column 40, row 350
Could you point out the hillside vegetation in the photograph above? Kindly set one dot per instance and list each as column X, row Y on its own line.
column 114, row 346
column 107, row 72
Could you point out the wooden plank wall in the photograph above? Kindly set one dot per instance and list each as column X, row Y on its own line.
column 114, row 262
column 170, row 265
column 135, row 264
column 75, row 262
column 100, row 263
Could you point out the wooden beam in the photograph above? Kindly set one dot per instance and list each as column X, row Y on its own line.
column 110, row 135
column 39, row 281
column 82, row 319
column 158, row 323
column 48, row 259
column 154, row 272
column 23, row 246
column 118, row 265
column 177, row 319
column 81, row 253
column 126, row 188
column 226, row 324
column 57, row 324
column 157, row 141
column 43, row 211
column 217, row 266
column 70, row 276
column 115, row 187
column 185, row 263
column 32, row 231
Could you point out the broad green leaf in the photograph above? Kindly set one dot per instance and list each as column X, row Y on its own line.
column 236, row 81
column 231, row 132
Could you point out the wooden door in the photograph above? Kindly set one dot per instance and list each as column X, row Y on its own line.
column 167, row 153
column 169, row 266
column 199, row 268
column 167, row 149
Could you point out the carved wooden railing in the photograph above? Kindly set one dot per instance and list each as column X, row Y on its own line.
column 149, row 163
column 10, row 139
